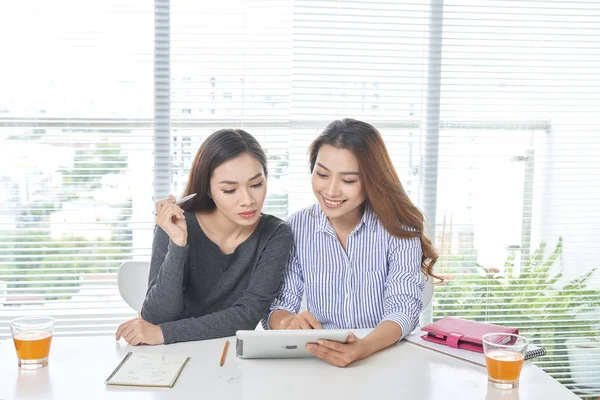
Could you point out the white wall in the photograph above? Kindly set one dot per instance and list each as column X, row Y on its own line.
column 567, row 199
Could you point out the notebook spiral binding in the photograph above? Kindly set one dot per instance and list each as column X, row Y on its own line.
column 535, row 353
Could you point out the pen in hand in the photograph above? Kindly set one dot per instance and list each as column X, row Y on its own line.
column 180, row 201
column 184, row 199
column 225, row 348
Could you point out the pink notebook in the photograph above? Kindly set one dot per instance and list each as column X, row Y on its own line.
column 462, row 334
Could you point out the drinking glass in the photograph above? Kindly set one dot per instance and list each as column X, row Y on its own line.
column 504, row 357
column 32, row 337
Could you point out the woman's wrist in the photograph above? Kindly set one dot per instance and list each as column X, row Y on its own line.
column 280, row 319
column 285, row 321
column 366, row 347
column 160, row 335
column 181, row 242
column 386, row 334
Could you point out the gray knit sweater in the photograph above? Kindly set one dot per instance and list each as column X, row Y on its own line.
column 197, row 292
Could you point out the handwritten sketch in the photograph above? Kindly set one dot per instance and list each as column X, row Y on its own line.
column 149, row 370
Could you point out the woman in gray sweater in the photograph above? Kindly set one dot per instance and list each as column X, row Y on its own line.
column 217, row 261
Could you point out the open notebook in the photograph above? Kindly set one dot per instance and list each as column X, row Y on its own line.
column 154, row 370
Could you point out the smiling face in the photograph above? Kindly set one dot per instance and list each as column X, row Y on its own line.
column 336, row 182
column 239, row 187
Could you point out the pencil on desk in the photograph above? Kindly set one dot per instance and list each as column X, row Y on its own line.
column 225, row 348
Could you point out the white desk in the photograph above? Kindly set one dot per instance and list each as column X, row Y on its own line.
column 79, row 366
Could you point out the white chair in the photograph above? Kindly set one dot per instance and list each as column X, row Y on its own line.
column 426, row 316
column 132, row 280
column 428, row 293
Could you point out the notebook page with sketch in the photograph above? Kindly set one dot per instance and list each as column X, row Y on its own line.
column 157, row 370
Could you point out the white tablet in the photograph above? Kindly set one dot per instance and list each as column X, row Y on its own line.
column 283, row 343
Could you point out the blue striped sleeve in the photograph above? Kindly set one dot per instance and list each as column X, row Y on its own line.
column 291, row 291
column 403, row 295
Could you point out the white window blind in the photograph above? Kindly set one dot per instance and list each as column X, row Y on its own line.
column 230, row 68
column 364, row 60
column 75, row 159
column 490, row 110
column 518, row 169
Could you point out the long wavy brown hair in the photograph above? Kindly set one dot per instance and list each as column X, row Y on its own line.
column 382, row 185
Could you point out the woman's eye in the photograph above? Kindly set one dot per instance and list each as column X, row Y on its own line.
column 321, row 175
column 257, row 185
column 345, row 181
column 229, row 191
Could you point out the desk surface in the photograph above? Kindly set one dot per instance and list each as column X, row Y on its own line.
column 79, row 365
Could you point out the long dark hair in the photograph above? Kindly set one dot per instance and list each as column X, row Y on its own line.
column 384, row 191
column 221, row 146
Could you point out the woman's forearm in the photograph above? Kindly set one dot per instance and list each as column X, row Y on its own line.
column 384, row 335
column 279, row 319
column 164, row 299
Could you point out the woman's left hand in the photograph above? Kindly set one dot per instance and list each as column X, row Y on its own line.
column 338, row 354
column 137, row 331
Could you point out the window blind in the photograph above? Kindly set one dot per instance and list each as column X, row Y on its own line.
column 490, row 111
column 363, row 60
column 230, row 68
column 517, row 194
column 76, row 158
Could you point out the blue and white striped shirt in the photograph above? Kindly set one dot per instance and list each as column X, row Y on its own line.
column 378, row 278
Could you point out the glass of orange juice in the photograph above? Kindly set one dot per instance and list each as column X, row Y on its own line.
column 32, row 337
column 504, row 357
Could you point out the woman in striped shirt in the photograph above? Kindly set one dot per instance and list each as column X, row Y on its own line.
column 360, row 253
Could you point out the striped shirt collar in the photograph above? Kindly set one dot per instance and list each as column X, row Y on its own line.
column 369, row 219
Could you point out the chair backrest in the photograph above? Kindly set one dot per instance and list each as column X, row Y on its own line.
column 426, row 316
column 428, row 292
column 132, row 280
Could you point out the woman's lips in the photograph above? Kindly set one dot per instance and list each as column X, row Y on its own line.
column 247, row 214
column 333, row 203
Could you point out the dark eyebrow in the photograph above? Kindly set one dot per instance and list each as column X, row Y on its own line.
column 324, row 167
column 341, row 173
column 237, row 183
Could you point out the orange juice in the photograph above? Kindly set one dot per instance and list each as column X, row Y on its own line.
column 33, row 344
column 504, row 365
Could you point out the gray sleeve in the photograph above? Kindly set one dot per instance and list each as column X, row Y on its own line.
column 164, row 298
column 254, row 303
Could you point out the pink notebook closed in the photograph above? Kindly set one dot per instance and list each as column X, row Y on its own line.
column 461, row 333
